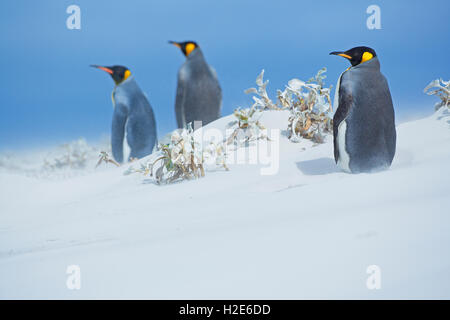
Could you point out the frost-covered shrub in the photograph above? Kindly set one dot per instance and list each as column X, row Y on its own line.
column 247, row 126
column 442, row 91
column 216, row 153
column 310, row 106
column 104, row 157
column 72, row 155
column 63, row 161
column 308, row 102
column 262, row 100
column 183, row 158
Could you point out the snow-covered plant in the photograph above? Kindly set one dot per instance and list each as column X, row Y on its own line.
column 310, row 106
column 308, row 102
column 106, row 158
column 183, row 158
column 64, row 161
column 247, row 126
column 216, row 152
column 262, row 100
column 442, row 91
column 73, row 155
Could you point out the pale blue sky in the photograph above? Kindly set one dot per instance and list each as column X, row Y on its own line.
column 50, row 95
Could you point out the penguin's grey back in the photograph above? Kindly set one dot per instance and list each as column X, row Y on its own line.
column 366, row 112
column 199, row 96
column 131, row 96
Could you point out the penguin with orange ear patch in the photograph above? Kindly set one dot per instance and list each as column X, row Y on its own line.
column 199, row 96
column 133, row 114
column 364, row 121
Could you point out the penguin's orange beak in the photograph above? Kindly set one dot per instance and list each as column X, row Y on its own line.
column 342, row 54
column 102, row 68
column 176, row 44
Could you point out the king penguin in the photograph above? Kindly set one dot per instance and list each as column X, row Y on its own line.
column 364, row 122
column 199, row 96
column 133, row 114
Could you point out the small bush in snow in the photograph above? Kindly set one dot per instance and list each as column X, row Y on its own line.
column 64, row 161
column 183, row 158
column 310, row 106
column 216, row 153
column 442, row 91
column 247, row 126
column 106, row 158
column 262, row 100
column 72, row 155
column 309, row 103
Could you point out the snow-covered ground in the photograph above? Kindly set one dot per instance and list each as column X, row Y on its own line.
column 308, row 231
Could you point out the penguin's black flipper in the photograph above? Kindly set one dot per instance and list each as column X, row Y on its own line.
column 390, row 134
column 345, row 104
column 118, row 132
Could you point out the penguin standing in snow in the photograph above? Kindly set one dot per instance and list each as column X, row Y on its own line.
column 364, row 122
column 199, row 96
column 133, row 114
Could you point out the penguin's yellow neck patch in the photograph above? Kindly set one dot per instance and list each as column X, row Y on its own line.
column 126, row 75
column 112, row 98
column 366, row 56
column 189, row 48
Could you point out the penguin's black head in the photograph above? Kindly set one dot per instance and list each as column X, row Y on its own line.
column 186, row 47
column 357, row 55
column 118, row 73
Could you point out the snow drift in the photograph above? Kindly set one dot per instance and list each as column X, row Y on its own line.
column 308, row 231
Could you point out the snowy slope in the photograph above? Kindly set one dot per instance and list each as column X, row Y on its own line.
column 309, row 231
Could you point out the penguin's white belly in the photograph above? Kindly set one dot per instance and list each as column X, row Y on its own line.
column 126, row 147
column 343, row 159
